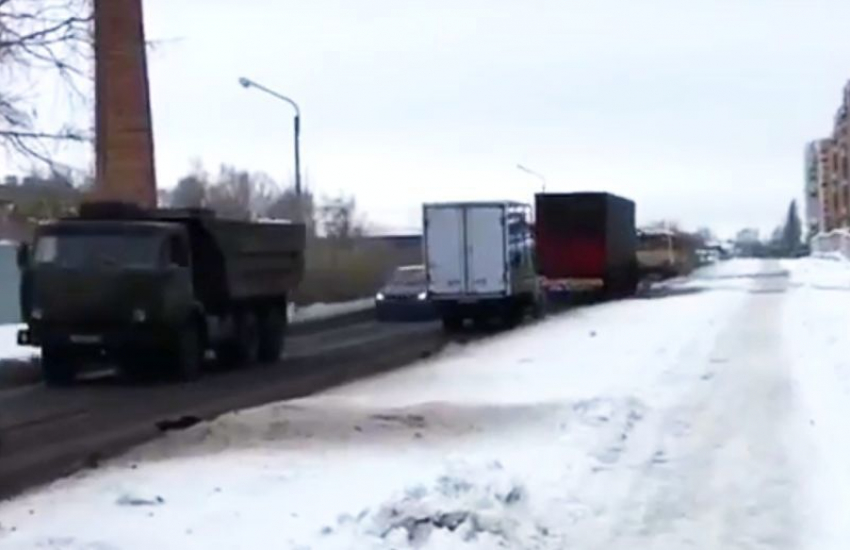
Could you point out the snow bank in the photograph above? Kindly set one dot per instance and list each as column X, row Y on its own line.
column 834, row 243
column 314, row 312
column 17, row 365
column 528, row 440
column 816, row 321
column 822, row 272
column 9, row 348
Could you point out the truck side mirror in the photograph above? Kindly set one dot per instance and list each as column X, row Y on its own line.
column 23, row 255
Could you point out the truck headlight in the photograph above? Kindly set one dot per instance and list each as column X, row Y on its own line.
column 140, row 315
column 379, row 296
column 37, row 314
column 422, row 296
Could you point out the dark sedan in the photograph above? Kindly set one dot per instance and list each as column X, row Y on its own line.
column 405, row 296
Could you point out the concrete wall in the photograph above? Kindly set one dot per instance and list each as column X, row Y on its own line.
column 10, row 311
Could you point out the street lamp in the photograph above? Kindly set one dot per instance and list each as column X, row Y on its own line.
column 533, row 173
column 247, row 83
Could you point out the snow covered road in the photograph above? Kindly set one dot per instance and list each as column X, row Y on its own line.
column 709, row 414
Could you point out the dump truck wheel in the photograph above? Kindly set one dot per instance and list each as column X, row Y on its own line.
column 452, row 323
column 249, row 338
column 272, row 325
column 243, row 347
column 137, row 369
column 187, row 355
column 58, row 366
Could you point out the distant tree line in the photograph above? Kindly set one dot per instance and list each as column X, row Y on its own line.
column 243, row 195
column 786, row 240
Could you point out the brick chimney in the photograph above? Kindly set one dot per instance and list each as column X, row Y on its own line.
column 124, row 134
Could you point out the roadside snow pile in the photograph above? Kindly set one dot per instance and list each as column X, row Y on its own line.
column 338, row 476
column 516, row 501
column 832, row 256
column 820, row 273
column 482, row 511
column 9, row 348
column 817, row 317
column 315, row 312
column 17, row 363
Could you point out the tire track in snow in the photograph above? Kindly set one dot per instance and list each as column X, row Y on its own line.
column 720, row 474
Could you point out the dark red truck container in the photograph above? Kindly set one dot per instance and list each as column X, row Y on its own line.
column 586, row 242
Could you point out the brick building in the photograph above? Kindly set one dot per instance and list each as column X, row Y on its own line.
column 827, row 175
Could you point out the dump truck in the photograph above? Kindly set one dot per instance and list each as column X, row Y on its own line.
column 586, row 243
column 479, row 262
column 155, row 290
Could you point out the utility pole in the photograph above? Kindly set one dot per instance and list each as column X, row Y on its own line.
column 531, row 172
column 248, row 83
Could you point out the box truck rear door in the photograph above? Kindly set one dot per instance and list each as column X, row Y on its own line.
column 445, row 249
column 485, row 257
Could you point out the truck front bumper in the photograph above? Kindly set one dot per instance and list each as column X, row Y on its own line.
column 123, row 338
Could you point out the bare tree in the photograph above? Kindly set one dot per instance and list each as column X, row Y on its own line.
column 290, row 206
column 239, row 194
column 340, row 219
column 669, row 225
column 39, row 37
column 190, row 192
column 706, row 234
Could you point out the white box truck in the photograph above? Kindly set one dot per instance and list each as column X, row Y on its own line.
column 479, row 260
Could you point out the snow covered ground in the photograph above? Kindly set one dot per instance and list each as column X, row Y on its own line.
column 709, row 414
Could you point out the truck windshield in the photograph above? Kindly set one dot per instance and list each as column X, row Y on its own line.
column 408, row 277
column 654, row 242
column 98, row 250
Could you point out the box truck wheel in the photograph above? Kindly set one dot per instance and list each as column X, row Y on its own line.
column 58, row 366
column 272, row 325
column 512, row 314
column 452, row 322
column 187, row 353
column 539, row 307
column 634, row 278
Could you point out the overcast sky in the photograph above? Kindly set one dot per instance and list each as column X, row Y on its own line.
column 699, row 111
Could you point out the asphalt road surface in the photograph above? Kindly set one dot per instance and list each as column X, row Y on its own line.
column 45, row 433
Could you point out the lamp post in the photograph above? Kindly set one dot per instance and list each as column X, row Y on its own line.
column 247, row 83
column 533, row 173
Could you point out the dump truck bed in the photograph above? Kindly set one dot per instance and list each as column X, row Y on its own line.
column 233, row 260
column 242, row 260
